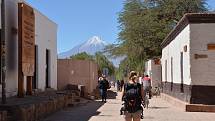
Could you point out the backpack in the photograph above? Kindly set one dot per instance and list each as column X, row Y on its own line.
column 103, row 84
column 107, row 84
column 132, row 97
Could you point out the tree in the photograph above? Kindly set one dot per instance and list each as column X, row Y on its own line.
column 82, row 56
column 103, row 62
column 145, row 23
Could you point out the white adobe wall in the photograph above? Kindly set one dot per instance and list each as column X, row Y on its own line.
column 46, row 37
column 148, row 67
column 202, row 70
column 11, row 9
column 156, row 74
column 154, row 71
column 174, row 50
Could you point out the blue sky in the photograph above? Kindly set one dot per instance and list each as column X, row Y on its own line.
column 78, row 20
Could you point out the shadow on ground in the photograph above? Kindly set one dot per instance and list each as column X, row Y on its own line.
column 79, row 113
column 155, row 107
column 111, row 94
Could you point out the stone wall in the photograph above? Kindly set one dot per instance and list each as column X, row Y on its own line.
column 36, row 111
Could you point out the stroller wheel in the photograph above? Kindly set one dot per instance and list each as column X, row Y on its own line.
column 142, row 117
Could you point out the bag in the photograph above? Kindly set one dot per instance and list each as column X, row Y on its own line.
column 100, row 85
column 107, row 85
column 132, row 97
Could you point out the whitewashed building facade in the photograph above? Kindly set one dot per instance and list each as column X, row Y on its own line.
column 153, row 69
column 45, row 50
column 188, row 60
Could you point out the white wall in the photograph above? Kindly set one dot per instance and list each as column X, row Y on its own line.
column 46, row 37
column 202, row 70
column 174, row 50
column 154, row 71
column 148, row 67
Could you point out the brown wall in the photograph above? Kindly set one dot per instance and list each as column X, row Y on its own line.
column 77, row 72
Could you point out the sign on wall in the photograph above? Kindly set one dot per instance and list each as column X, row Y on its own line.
column 27, row 38
column 211, row 46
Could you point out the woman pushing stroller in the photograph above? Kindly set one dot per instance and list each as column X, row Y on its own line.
column 133, row 95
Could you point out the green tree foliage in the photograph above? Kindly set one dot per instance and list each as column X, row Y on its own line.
column 99, row 58
column 145, row 23
column 82, row 56
column 103, row 62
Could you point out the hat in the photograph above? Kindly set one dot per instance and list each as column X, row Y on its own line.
column 103, row 76
column 100, row 78
column 132, row 73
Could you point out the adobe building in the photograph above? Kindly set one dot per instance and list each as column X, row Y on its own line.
column 153, row 69
column 77, row 72
column 30, row 49
column 188, row 59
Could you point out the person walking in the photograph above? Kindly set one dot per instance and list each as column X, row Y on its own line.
column 121, row 84
column 103, row 86
column 146, row 82
column 118, row 85
column 133, row 96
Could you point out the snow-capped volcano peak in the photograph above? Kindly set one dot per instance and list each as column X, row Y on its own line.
column 93, row 45
column 95, row 40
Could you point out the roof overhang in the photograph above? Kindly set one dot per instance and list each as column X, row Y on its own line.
column 189, row 18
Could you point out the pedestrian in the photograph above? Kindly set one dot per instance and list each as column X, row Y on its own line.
column 147, row 86
column 133, row 96
column 103, row 86
column 118, row 85
column 121, row 84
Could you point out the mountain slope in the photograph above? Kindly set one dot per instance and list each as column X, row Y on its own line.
column 93, row 45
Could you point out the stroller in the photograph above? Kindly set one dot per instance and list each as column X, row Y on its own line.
column 123, row 110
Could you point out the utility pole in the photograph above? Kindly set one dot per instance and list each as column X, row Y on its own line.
column 2, row 50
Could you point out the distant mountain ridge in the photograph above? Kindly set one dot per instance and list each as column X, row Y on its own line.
column 91, row 46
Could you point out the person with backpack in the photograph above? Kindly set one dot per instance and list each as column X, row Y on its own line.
column 103, row 86
column 133, row 94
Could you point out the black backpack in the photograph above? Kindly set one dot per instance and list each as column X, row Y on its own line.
column 132, row 97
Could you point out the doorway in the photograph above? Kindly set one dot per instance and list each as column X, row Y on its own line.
column 35, row 78
column 171, row 73
column 182, row 72
column 48, row 83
